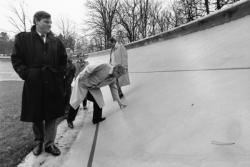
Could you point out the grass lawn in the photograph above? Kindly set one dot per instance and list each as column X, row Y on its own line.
column 16, row 137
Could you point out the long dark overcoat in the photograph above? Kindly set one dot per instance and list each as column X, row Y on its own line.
column 42, row 67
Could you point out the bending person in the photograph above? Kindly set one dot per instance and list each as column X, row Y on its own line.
column 88, row 84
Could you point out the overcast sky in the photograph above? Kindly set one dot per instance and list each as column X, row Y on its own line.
column 74, row 10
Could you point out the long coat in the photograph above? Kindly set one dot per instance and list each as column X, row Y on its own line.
column 91, row 79
column 42, row 67
column 119, row 55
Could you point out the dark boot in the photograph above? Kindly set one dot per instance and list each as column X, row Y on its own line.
column 95, row 121
column 38, row 149
column 52, row 149
column 70, row 124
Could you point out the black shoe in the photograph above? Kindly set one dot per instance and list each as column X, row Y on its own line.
column 95, row 121
column 70, row 124
column 38, row 149
column 53, row 150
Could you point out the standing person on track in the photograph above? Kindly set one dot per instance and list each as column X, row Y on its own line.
column 118, row 55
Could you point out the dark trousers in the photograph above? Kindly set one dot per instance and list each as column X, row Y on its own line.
column 67, row 99
column 119, row 87
column 45, row 131
column 97, row 113
column 84, row 102
column 73, row 112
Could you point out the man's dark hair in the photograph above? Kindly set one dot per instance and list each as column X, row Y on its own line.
column 112, row 40
column 40, row 15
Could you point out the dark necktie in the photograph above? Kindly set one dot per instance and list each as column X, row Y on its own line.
column 43, row 37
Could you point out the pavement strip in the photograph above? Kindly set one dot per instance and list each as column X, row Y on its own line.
column 64, row 140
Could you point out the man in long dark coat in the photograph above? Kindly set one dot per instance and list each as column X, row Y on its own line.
column 39, row 58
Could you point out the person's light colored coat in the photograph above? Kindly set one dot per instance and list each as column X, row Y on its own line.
column 119, row 55
column 91, row 79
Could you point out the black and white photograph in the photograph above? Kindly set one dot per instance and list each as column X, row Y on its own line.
column 125, row 83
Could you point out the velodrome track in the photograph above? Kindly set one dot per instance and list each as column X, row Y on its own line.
column 188, row 105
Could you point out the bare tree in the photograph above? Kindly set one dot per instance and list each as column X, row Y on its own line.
column 101, row 17
column 6, row 44
column 144, row 15
column 218, row 4
column 177, row 18
column 164, row 20
column 4, row 36
column 128, row 17
column 66, row 26
column 155, row 9
column 67, row 32
column 19, row 19
column 192, row 9
column 206, row 3
column 221, row 3
column 81, row 44
column 95, row 43
column 187, row 10
column 142, row 18
column 98, row 39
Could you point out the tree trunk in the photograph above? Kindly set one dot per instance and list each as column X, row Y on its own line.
column 207, row 6
column 218, row 4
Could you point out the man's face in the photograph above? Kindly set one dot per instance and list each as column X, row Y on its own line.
column 116, row 74
column 119, row 36
column 44, row 25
